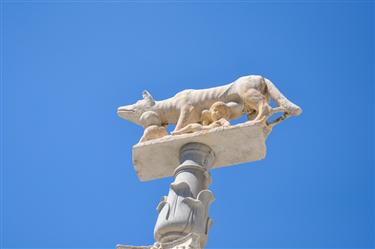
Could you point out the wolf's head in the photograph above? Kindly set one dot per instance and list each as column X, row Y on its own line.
column 134, row 112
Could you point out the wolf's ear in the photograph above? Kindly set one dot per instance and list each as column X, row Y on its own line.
column 147, row 96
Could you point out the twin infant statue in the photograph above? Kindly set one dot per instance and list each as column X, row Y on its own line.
column 197, row 110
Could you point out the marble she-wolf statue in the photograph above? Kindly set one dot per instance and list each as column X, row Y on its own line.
column 248, row 95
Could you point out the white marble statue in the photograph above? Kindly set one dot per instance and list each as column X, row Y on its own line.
column 249, row 95
column 203, row 140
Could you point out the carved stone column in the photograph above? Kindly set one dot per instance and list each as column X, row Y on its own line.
column 184, row 211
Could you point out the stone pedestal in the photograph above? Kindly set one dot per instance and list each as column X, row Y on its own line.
column 232, row 145
column 183, row 220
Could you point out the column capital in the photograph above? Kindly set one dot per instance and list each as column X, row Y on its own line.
column 197, row 153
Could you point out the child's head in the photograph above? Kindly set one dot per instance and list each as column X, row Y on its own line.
column 219, row 110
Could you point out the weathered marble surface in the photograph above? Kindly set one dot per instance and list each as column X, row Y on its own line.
column 196, row 110
column 203, row 139
column 231, row 144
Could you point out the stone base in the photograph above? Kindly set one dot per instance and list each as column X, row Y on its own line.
column 190, row 241
column 231, row 145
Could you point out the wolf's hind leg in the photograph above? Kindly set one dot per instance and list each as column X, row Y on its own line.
column 256, row 104
column 264, row 111
column 236, row 109
column 281, row 100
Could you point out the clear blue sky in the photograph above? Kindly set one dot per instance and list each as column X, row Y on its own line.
column 67, row 177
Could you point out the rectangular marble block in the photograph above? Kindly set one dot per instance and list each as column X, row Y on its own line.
column 231, row 144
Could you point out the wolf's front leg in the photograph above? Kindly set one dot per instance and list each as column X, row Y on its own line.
column 185, row 115
column 153, row 132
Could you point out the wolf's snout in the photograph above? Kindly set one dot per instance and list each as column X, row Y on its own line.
column 124, row 109
column 126, row 112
